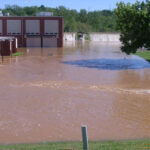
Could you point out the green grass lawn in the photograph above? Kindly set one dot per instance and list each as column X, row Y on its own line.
column 17, row 54
column 144, row 54
column 109, row 145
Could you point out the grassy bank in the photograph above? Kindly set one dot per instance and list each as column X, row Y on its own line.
column 144, row 54
column 109, row 145
column 18, row 54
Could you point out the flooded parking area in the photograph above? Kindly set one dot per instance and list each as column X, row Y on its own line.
column 47, row 94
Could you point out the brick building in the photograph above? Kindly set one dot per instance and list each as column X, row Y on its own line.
column 38, row 31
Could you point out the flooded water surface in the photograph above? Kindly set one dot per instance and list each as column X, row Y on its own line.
column 47, row 94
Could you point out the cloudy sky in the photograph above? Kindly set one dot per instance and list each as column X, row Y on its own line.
column 72, row 4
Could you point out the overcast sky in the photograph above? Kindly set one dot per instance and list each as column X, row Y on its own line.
column 71, row 4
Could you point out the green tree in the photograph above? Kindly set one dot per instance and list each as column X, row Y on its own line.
column 83, row 16
column 133, row 21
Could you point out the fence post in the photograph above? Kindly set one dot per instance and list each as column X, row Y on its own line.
column 84, row 137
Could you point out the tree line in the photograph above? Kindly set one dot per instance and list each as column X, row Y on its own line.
column 74, row 21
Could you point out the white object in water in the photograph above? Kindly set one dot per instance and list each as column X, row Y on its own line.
column 28, row 50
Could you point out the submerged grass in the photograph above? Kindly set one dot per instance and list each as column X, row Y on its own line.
column 108, row 145
column 17, row 54
column 144, row 54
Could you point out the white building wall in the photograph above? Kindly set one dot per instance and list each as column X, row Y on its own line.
column 105, row 37
column 33, row 26
column 51, row 26
column 69, row 36
column 14, row 26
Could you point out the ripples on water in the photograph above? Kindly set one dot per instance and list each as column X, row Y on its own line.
column 111, row 64
column 44, row 98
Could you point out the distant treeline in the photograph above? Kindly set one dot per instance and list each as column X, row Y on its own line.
column 74, row 21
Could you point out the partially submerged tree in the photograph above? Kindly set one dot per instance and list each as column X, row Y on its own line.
column 133, row 21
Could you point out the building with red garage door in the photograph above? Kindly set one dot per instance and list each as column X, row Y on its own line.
column 37, row 31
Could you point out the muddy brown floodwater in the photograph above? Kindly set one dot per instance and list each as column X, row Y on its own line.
column 44, row 99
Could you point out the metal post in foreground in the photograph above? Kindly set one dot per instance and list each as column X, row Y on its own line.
column 84, row 137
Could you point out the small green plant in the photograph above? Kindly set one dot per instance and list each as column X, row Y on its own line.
column 17, row 54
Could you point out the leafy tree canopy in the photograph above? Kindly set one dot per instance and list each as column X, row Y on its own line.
column 133, row 21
